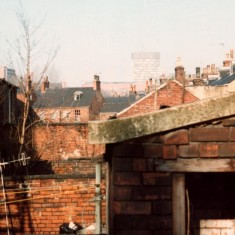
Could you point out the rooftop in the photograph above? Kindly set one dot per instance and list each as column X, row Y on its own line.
column 64, row 97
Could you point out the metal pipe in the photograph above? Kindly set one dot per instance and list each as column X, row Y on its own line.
column 98, row 198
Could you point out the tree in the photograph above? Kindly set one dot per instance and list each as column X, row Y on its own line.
column 27, row 49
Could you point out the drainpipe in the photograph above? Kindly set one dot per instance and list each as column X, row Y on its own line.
column 98, row 198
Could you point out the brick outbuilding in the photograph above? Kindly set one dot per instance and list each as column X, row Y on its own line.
column 171, row 171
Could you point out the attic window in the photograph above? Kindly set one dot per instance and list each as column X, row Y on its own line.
column 77, row 95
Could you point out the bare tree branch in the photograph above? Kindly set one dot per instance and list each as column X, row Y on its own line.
column 27, row 51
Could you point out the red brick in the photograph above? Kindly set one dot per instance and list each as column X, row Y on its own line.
column 169, row 152
column 178, row 137
column 209, row 150
column 227, row 150
column 152, row 150
column 152, row 193
column 66, row 141
column 169, row 95
column 139, row 164
column 136, row 232
column 122, row 193
column 229, row 122
column 191, row 150
column 155, row 178
column 232, row 134
column 150, row 164
column 122, row 164
column 209, row 134
column 152, row 222
column 57, row 213
column 132, row 208
column 127, row 178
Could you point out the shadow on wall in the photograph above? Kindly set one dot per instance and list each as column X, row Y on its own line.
column 14, row 216
column 9, row 150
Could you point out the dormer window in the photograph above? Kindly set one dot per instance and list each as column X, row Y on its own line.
column 77, row 95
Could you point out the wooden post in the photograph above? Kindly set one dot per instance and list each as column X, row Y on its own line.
column 178, row 204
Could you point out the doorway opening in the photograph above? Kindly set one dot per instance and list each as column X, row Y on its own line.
column 211, row 203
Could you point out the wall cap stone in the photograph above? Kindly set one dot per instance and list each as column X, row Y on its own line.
column 117, row 130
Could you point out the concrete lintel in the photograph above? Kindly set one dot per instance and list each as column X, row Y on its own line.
column 117, row 130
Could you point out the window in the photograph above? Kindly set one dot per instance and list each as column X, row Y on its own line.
column 55, row 115
column 42, row 115
column 77, row 95
column 77, row 115
column 65, row 115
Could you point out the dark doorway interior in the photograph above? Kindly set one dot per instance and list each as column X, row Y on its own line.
column 211, row 197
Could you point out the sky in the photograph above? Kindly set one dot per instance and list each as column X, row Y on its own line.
column 99, row 36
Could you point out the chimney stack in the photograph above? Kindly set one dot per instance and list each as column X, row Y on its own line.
column 179, row 71
column 231, row 54
column 198, row 72
column 96, row 83
column 44, row 85
column 147, row 86
column 213, row 69
column 208, row 69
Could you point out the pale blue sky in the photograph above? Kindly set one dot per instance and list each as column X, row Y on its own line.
column 98, row 36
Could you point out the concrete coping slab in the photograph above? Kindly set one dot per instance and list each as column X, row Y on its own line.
column 117, row 130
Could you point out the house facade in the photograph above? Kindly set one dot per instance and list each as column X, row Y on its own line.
column 169, row 94
column 68, row 105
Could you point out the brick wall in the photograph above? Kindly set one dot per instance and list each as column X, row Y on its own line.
column 141, row 196
column 203, row 142
column 61, row 142
column 61, row 179
column 170, row 94
column 48, row 203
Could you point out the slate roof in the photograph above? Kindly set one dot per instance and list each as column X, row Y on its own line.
column 64, row 97
column 224, row 80
column 116, row 104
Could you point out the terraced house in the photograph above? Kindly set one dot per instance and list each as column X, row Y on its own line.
column 68, row 105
